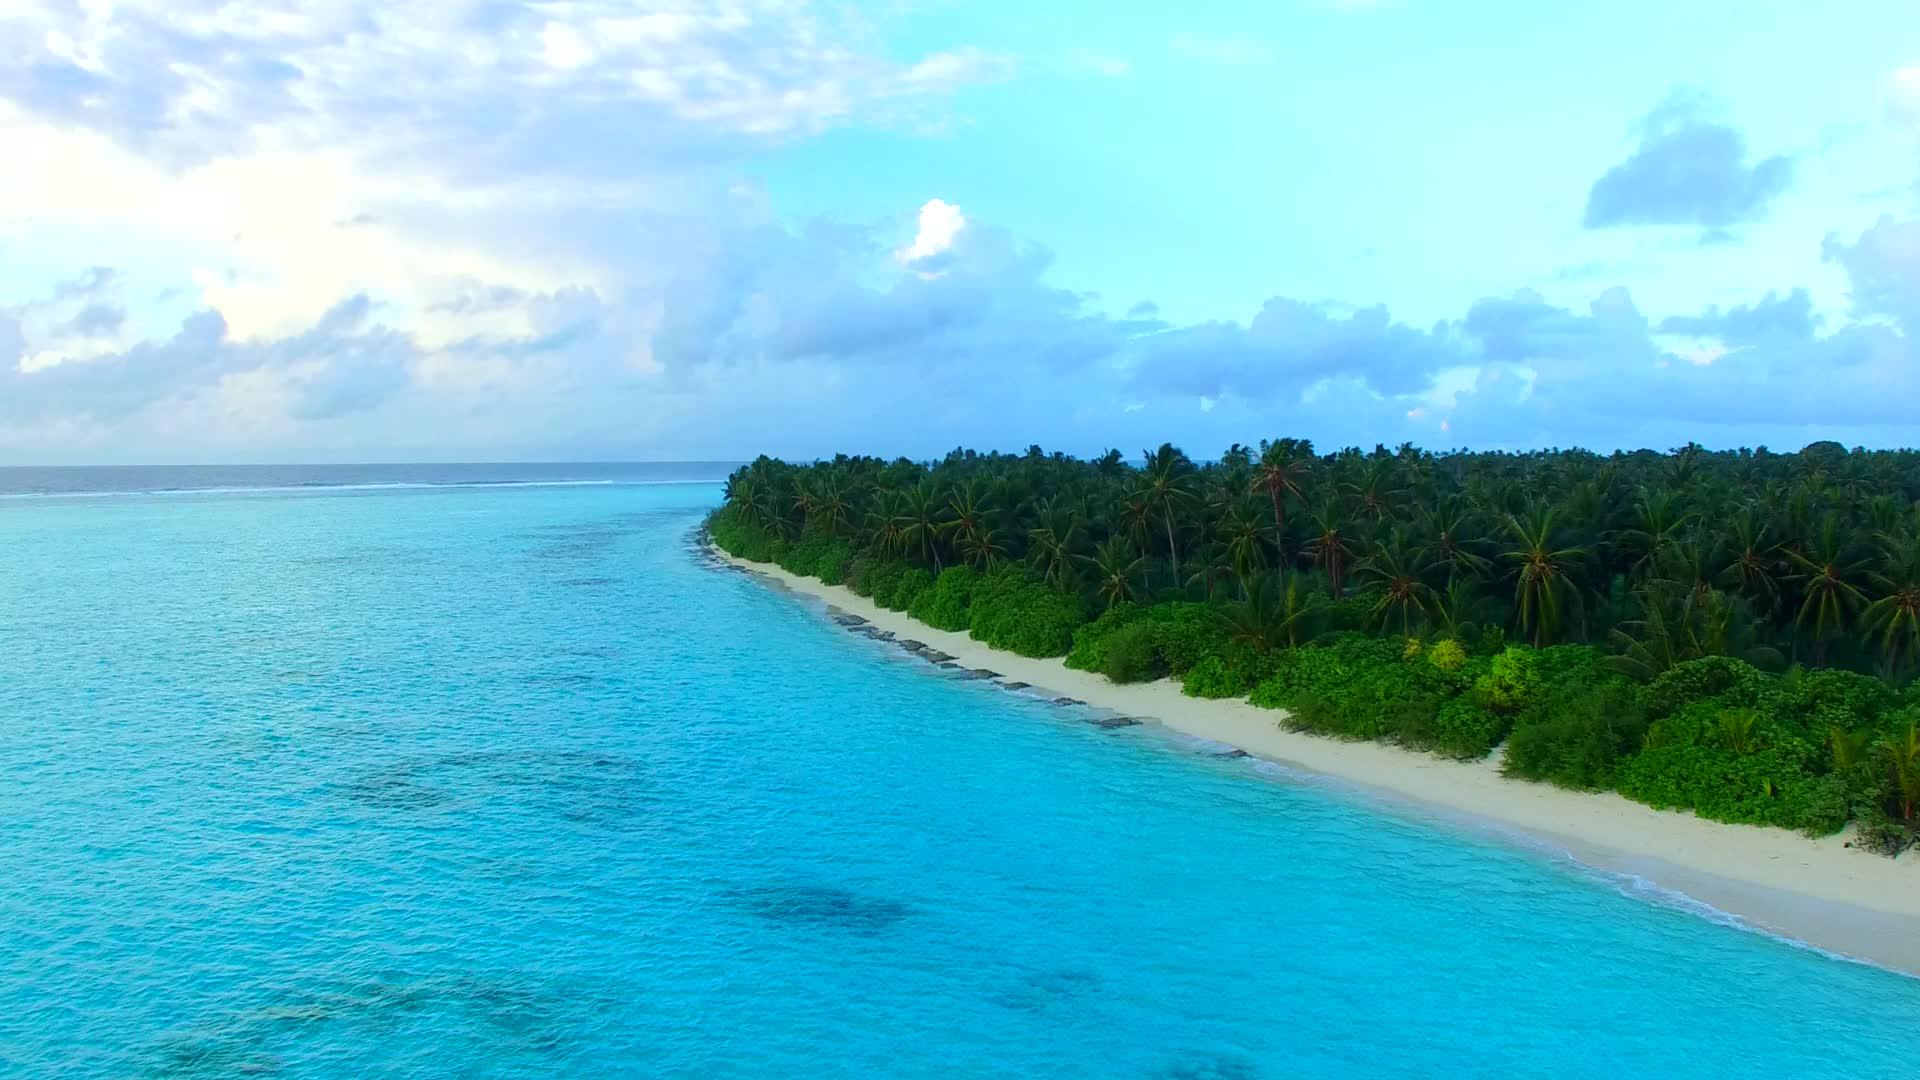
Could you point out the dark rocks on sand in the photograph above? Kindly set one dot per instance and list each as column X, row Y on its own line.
column 1015, row 686
column 938, row 657
column 845, row 619
column 1236, row 752
column 913, row 646
column 1068, row 701
column 983, row 673
column 948, row 664
column 882, row 635
column 1115, row 722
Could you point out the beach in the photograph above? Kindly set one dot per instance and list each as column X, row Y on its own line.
column 1816, row 891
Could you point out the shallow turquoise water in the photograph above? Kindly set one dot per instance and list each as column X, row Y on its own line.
column 506, row 782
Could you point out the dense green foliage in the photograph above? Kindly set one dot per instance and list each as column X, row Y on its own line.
column 1733, row 633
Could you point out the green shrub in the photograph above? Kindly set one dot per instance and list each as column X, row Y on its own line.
column 1232, row 672
column 1131, row 654
column 1734, row 682
column 1185, row 632
column 1447, row 655
column 1089, row 651
column 1463, row 728
column 944, row 607
column 1511, row 684
column 833, row 563
column 913, row 584
column 1819, row 701
column 882, row 579
column 1733, row 762
column 1011, row 610
column 1578, row 735
column 739, row 537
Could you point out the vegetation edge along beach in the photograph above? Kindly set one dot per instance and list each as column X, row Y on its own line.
column 1727, row 633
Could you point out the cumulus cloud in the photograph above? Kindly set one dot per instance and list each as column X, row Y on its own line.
column 1883, row 267
column 1289, row 346
column 773, row 295
column 1687, row 170
column 940, row 222
column 472, row 81
column 496, row 227
column 1772, row 318
column 497, row 195
column 340, row 364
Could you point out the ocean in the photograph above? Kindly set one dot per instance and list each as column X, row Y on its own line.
column 484, row 771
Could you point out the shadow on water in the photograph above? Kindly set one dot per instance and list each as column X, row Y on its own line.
column 1209, row 1067
column 505, row 1015
column 821, row 907
column 560, row 679
column 591, row 539
column 1041, row 990
column 382, row 560
column 578, row 786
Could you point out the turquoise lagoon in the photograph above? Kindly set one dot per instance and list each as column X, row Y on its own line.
column 507, row 781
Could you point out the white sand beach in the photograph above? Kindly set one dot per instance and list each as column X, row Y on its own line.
column 1820, row 892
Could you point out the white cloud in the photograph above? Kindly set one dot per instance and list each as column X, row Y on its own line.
column 1905, row 95
column 564, row 48
column 940, row 222
column 510, row 185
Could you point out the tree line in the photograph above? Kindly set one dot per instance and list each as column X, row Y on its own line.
column 1564, row 568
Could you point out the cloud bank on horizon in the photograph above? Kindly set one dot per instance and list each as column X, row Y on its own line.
column 240, row 230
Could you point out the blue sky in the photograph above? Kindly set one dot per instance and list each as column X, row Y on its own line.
column 498, row 229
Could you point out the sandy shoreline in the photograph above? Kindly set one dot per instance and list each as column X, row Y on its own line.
column 1816, row 891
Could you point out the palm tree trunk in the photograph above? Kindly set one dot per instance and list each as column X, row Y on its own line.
column 1279, row 527
column 1173, row 553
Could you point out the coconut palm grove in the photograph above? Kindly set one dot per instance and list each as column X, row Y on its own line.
column 1733, row 632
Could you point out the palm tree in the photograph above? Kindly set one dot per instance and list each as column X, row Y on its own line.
column 1752, row 558
column 1273, row 614
column 1451, row 608
column 981, row 547
column 1283, row 470
column 1451, row 537
column 1543, row 584
column 918, row 516
column 1377, row 489
column 1658, row 523
column 1401, row 587
column 1210, row 570
column 884, row 529
column 1331, row 546
column 1245, row 548
column 1827, row 572
column 1895, row 614
column 1166, row 487
column 1054, row 543
column 1116, row 566
column 969, row 516
column 1679, row 624
column 829, row 505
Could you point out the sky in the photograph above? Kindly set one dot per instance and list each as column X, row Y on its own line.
column 343, row 230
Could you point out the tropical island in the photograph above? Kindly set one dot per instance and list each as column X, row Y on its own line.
column 1733, row 633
